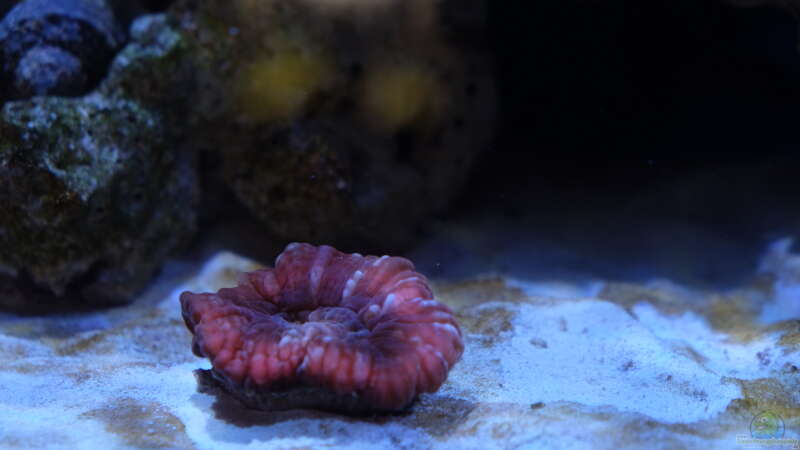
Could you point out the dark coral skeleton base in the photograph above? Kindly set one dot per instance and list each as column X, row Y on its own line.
column 288, row 398
column 326, row 330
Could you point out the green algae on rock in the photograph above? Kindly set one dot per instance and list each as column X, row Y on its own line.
column 91, row 201
column 153, row 69
column 93, row 195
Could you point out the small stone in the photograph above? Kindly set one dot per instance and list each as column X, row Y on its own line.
column 56, row 47
column 49, row 70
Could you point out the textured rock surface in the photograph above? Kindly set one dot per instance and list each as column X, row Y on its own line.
column 93, row 195
column 91, row 201
column 320, row 135
column 326, row 118
column 606, row 365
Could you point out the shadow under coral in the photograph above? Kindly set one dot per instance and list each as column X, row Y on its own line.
column 435, row 414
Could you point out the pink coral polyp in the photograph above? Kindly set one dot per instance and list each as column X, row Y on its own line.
column 364, row 328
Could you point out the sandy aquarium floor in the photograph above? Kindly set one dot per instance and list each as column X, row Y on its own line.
column 561, row 352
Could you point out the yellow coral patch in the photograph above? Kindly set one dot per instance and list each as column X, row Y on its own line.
column 279, row 86
column 398, row 95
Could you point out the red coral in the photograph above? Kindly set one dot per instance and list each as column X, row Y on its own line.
column 362, row 328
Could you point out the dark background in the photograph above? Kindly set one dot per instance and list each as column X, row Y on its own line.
column 631, row 125
column 641, row 90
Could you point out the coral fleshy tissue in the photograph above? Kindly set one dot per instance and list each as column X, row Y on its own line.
column 338, row 331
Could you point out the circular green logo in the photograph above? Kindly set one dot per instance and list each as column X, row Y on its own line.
column 767, row 425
